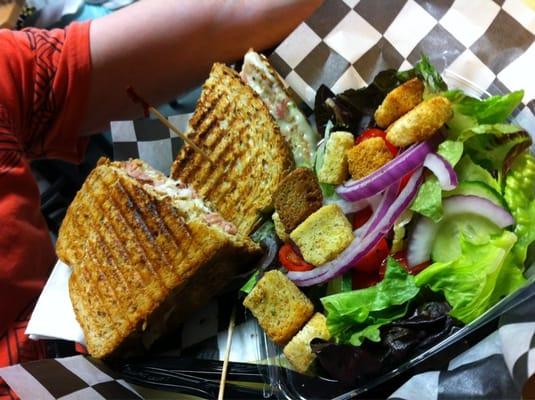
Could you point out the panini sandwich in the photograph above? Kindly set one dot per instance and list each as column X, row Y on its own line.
column 145, row 251
column 233, row 124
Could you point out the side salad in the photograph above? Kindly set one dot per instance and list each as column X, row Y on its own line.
column 414, row 220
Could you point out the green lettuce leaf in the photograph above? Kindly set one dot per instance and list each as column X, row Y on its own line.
column 519, row 193
column 358, row 315
column 472, row 111
column 428, row 201
column 424, row 70
column 477, row 278
column 451, row 151
column 498, row 150
column 468, row 171
column 251, row 283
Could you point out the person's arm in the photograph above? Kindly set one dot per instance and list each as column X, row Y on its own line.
column 162, row 47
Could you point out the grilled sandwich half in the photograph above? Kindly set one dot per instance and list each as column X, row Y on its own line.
column 145, row 251
column 258, row 73
column 251, row 156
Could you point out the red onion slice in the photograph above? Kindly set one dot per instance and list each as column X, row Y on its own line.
column 443, row 170
column 349, row 207
column 360, row 246
column 389, row 173
column 388, row 199
column 421, row 242
column 476, row 205
column 423, row 235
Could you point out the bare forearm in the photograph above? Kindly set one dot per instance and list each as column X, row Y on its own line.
column 163, row 47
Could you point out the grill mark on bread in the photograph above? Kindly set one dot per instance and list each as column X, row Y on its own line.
column 209, row 130
column 138, row 226
column 176, row 223
column 116, row 253
column 138, row 301
column 153, row 222
column 114, row 212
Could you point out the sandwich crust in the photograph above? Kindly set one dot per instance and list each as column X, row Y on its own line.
column 139, row 264
column 251, row 156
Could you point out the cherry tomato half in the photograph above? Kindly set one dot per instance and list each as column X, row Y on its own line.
column 374, row 132
column 362, row 280
column 291, row 260
column 361, row 217
column 371, row 262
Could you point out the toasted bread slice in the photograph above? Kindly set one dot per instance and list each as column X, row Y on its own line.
column 143, row 256
column 298, row 196
column 252, row 157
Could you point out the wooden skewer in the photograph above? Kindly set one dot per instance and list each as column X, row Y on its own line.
column 148, row 108
column 227, row 354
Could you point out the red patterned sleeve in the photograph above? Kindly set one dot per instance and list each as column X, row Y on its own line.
column 44, row 88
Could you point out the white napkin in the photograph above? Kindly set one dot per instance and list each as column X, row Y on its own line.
column 53, row 316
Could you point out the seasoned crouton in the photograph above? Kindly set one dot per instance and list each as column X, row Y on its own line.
column 399, row 101
column 420, row 123
column 279, row 306
column 323, row 235
column 279, row 227
column 334, row 168
column 296, row 197
column 367, row 156
column 298, row 350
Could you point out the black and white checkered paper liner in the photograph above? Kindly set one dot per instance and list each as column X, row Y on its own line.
column 68, row 378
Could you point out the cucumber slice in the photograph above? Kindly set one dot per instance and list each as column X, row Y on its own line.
column 446, row 245
column 479, row 189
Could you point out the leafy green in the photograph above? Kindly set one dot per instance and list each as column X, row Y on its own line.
column 492, row 110
column 250, row 284
column 451, row 151
column 428, row 201
column 488, row 129
column 477, row 278
column 339, row 284
column 319, row 156
column 267, row 229
column 358, row 315
column 519, row 193
column 428, row 74
column 468, row 171
column 482, row 125
column 353, row 110
column 497, row 151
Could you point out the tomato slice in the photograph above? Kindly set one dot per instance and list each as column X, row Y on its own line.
column 362, row 280
column 371, row 262
column 291, row 260
column 361, row 217
column 374, row 132
column 403, row 182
